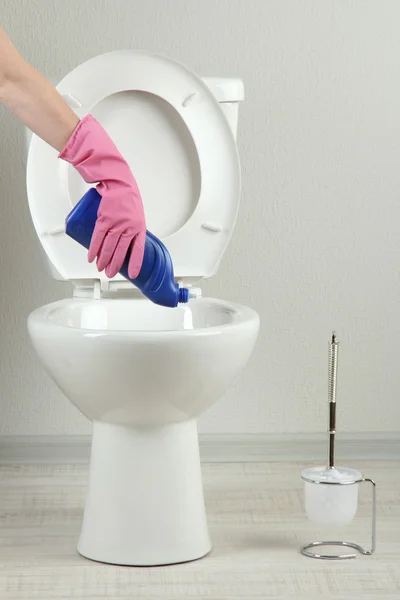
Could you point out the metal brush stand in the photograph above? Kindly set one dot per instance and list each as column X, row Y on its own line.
column 306, row 549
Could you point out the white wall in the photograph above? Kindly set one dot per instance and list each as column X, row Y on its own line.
column 317, row 245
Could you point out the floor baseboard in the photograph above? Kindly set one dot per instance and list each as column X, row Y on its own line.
column 258, row 447
column 298, row 447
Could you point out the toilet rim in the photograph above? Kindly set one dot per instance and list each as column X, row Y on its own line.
column 242, row 316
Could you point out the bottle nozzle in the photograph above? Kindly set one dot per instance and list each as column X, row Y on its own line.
column 183, row 295
column 186, row 294
column 194, row 293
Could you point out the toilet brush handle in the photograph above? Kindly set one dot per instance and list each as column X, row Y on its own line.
column 333, row 365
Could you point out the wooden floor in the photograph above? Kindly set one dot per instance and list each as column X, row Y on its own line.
column 257, row 524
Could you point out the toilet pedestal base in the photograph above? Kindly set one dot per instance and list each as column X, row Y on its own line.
column 145, row 502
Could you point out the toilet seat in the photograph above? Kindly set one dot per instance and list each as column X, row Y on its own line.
column 111, row 84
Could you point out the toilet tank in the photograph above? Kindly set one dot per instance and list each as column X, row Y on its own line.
column 229, row 92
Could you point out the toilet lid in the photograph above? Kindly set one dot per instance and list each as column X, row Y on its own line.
column 173, row 133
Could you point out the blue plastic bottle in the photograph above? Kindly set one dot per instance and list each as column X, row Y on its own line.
column 156, row 278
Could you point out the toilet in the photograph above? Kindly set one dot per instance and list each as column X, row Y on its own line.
column 142, row 373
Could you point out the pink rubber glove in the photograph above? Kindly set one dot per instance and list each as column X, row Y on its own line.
column 120, row 218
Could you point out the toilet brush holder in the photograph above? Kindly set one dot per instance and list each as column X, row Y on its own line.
column 330, row 492
column 334, row 502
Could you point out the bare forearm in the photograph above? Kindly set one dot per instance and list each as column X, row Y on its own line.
column 32, row 99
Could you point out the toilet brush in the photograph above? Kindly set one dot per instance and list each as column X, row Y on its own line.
column 331, row 492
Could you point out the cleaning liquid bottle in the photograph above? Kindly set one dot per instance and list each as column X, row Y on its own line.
column 156, row 278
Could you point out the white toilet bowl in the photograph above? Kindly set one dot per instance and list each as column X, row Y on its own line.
column 143, row 374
